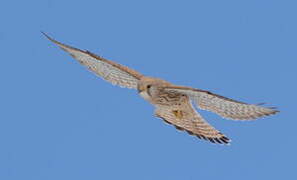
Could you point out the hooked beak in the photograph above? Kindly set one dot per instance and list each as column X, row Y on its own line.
column 140, row 89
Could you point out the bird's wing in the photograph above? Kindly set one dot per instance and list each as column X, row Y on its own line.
column 185, row 118
column 223, row 106
column 108, row 70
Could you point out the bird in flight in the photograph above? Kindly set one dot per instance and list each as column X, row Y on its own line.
column 172, row 103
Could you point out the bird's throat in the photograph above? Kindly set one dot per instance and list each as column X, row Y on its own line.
column 145, row 95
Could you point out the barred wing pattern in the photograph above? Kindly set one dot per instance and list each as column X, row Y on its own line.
column 108, row 70
column 191, row 122
column 223, row 106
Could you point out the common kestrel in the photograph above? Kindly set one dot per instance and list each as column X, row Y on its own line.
column 173, row 103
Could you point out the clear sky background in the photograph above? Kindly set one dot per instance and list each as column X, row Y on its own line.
column 59, row 121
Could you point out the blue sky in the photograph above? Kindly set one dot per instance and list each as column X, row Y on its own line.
column 59, row 121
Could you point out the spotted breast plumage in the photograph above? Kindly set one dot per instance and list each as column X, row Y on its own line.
column 172, row 103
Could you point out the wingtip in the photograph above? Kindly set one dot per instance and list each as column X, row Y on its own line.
column 221, row 140
column 42, row 32
column 61, row 45
column 48, row 37
column 274, row 109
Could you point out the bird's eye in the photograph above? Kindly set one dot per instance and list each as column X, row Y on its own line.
column 148, row 86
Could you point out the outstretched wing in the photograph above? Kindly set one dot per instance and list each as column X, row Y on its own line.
column 185, row 118
column 108, row 70
column 223, row 106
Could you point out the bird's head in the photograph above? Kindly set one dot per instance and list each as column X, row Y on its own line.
column 145, row 84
